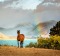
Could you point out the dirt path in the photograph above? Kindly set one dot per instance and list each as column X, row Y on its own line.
column 14, row 51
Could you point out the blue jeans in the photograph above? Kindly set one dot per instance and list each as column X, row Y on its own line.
column 20, row 44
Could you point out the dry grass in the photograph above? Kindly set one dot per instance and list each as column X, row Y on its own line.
column 14, row 51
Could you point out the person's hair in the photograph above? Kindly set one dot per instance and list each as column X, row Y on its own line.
column 18, row 31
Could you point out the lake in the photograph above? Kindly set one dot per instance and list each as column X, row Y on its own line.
column 14, row 42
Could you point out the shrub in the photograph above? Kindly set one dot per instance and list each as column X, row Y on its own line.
column 32, row 45
column 51, row 43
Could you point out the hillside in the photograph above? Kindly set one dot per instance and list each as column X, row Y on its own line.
column 43, row 28
column 34, row 30
column 5, row 37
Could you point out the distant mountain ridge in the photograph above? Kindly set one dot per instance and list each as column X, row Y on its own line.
column 5, row 37
column 44, row 28
column 30, row 29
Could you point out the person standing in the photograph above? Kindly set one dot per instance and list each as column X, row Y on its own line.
column 20, row 39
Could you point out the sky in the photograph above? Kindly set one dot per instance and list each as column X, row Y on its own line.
column 27, row 13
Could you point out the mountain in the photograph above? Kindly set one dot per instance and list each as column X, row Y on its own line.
column 24, row 28
column 43, row 28
column 30, row 30
column 5, row 37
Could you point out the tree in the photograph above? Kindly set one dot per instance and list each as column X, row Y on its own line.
column 55, row 30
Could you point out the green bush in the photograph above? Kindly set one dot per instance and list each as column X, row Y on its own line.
column 51, row 43
column 32, row 45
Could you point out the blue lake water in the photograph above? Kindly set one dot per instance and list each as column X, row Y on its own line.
column 14, row 42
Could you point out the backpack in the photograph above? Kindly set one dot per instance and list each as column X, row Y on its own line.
column 20, row 37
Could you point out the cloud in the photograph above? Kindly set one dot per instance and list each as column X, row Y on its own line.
column 10, row 17
column 48, row 5
column 28, row 4
column 4, row 3
column 2, row 0
column 24, row 4
column 55, row 1
column 14, row 12
column 49, row 11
